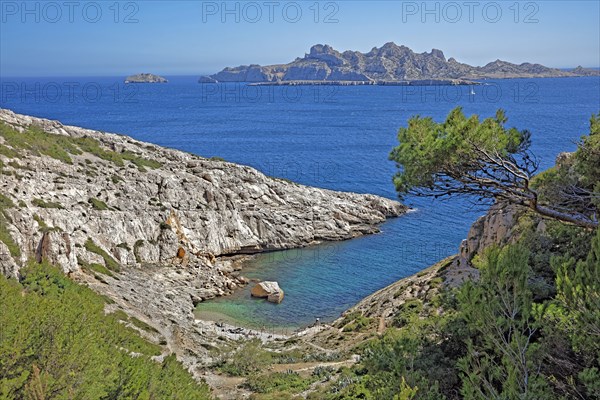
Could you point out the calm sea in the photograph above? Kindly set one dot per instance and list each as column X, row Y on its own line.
column 331, row 137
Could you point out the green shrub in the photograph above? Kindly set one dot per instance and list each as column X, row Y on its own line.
column 62, row 147
column 5, row 236
column 142, row 325
column 278, row 382
column 120, row 315
column 100, row 269
column 140, row 162
column 249, row 358
column 5, row 202
column 108, row 260
column 355, row 322
column 98, row 204
column 57, row 342
column 43, row 226
column 7, row 239
column 92, row 146
column 8, row 152
column 116, row 179
column 407, row 312
column 43, row 204
column 38, row 142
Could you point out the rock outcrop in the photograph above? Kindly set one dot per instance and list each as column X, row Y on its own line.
column 269, row 290
column 145, row 78
column 580, row 71
column 162, row 224
column 387, row 64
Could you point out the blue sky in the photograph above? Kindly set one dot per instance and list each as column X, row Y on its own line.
column 105, row 38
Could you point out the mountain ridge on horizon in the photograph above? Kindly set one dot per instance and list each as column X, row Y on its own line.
column 389, row 63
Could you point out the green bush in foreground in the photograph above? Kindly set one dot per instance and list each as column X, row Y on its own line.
column 278, row 382
column 57, row 343
column 247, row 359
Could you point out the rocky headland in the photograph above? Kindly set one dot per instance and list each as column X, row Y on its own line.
column 155, row 230
column 145, row 78
column 389, row 64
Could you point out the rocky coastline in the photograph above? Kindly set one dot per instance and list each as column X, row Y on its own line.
column 422, row 82
column 156, row 230
column 390, row 64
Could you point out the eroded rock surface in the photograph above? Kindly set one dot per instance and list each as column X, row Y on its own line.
column 389, row 63
column 269, row 290
column 164, row 222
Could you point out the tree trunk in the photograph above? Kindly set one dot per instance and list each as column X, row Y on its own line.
column 570, row 218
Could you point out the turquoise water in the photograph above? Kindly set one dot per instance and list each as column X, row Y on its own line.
column 332, row 137
column 322, row 281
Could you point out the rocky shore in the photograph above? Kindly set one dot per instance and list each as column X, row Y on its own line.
column 155, row 230
column 422, row 82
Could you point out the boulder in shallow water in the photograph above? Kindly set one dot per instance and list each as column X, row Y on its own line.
column 269, row 290
column 276, row 297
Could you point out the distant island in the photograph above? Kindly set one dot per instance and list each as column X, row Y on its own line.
column 389, row 65
column 145, row 78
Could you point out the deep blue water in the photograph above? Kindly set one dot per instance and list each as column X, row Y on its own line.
column 332, row 137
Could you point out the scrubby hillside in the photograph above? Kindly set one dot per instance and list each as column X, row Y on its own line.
column 515, row 315
column 57, row 343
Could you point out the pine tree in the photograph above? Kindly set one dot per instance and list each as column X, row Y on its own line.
column 502, row 360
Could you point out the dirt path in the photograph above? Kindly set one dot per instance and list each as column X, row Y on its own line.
column 310, row 366
column 226, row 387
column 231, row 387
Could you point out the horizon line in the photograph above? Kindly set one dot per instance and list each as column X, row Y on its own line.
column 125, row 75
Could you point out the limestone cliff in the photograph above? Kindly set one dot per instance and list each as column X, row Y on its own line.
column 152, row 228
column 387, row 64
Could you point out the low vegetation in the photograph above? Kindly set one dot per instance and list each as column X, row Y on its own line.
column 58, row 343
column 355, row 322
column 109, row 262
column 37, row 142
column 278, row 384
column 529, row 328
column 98, row 204
column 94, row 268
column 247, row 359
column 43, row 227
column 5, row 236
column 46, row 204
